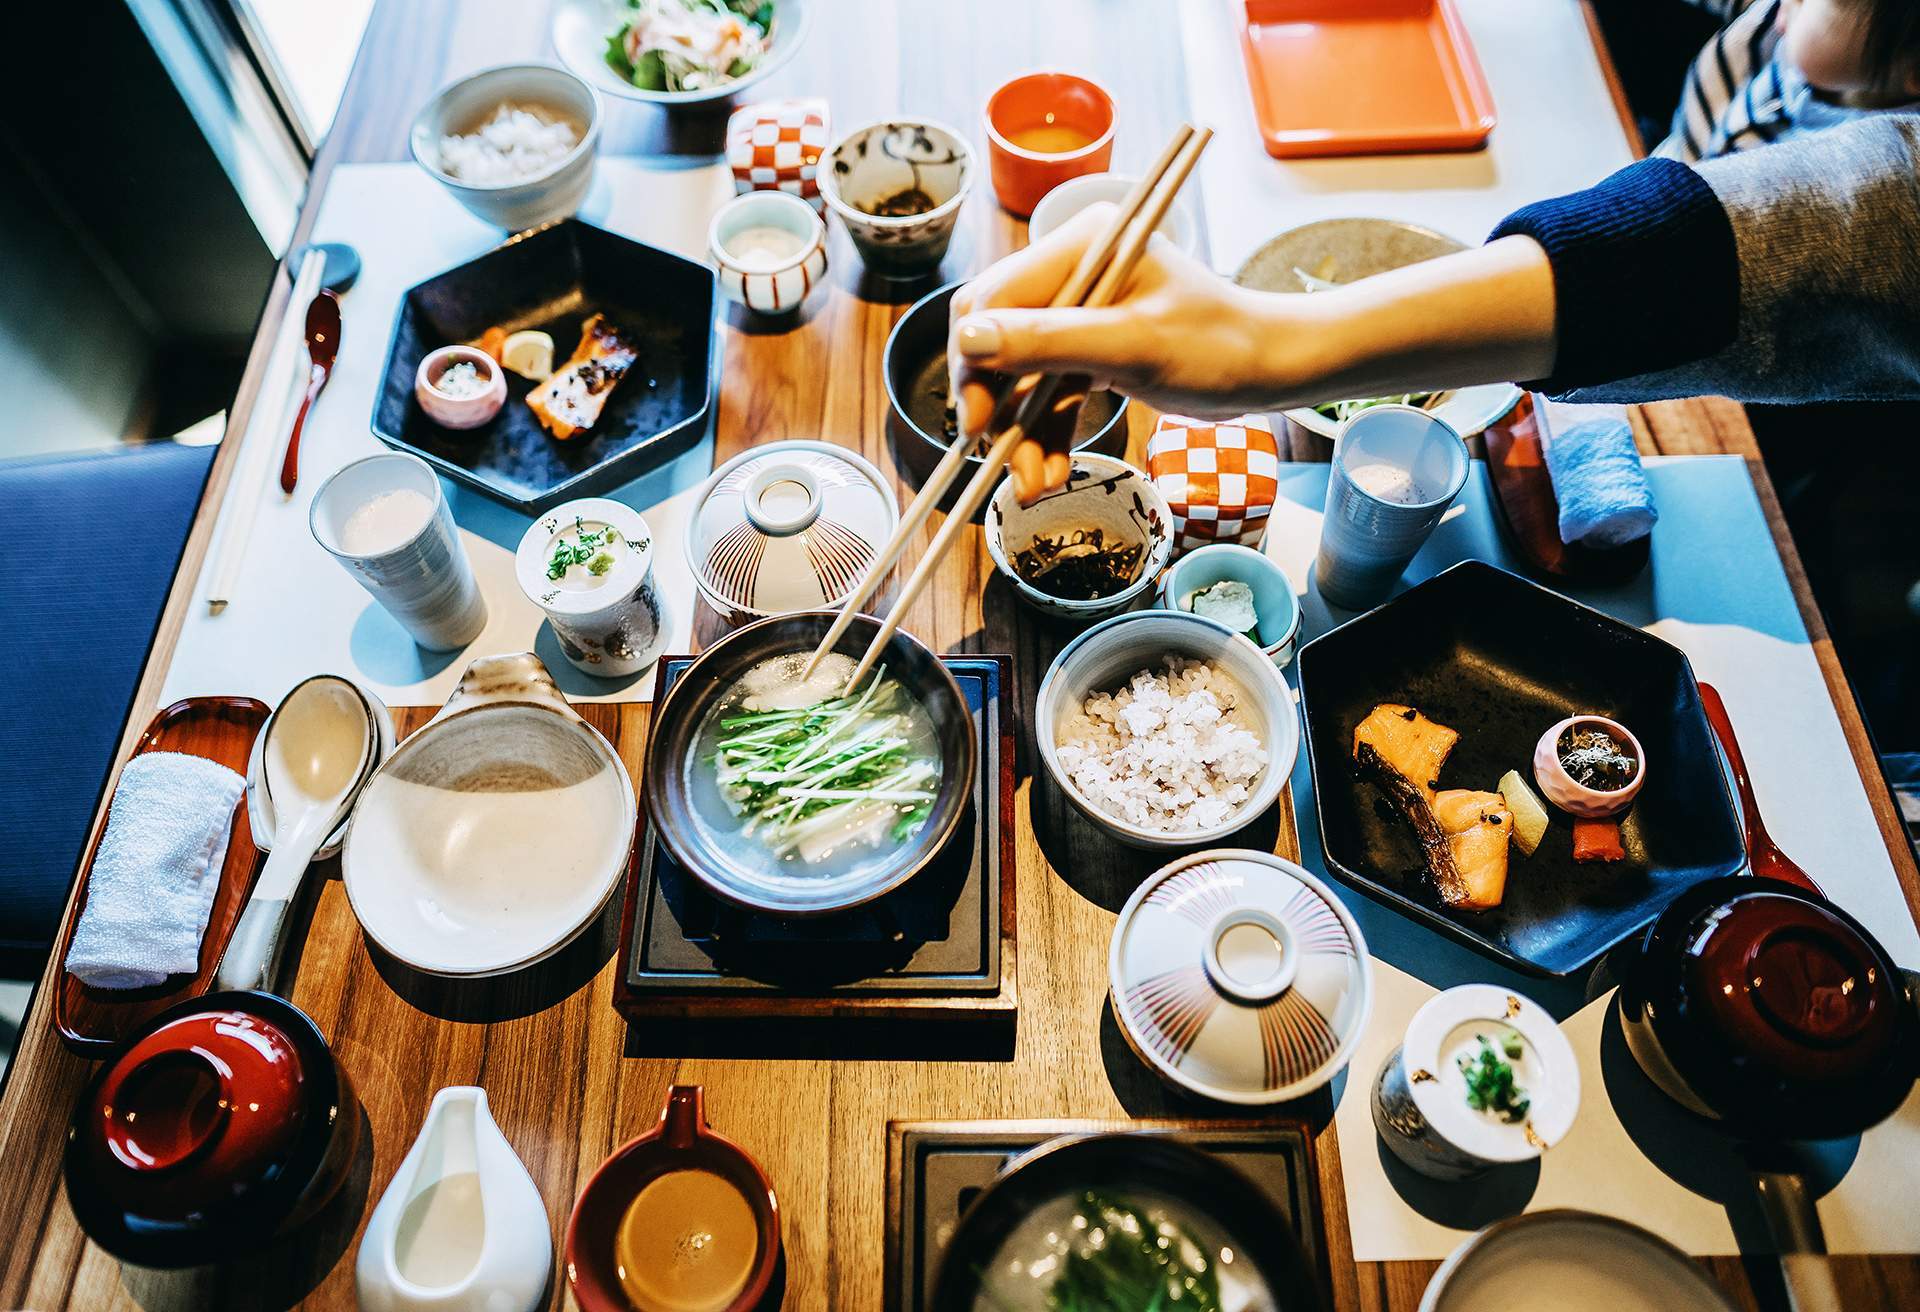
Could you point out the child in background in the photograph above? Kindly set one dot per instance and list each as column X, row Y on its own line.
column 1781, row 68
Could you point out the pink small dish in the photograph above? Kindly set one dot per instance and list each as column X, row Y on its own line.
column 1563, row 791
column 1043, row 129
column 449, row 410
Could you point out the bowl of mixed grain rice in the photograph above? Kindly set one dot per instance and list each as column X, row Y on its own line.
column 513, row 144
column 1166, row 729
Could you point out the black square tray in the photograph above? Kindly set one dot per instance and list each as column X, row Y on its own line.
column 553, row 279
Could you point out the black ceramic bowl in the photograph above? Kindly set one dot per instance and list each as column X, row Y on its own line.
column 917, row 391
column 1122, row 1166
column 553, row 279
column 671, row 761
column 1500, row 660
column 164, row 1168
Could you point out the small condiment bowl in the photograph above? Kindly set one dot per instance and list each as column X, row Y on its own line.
column 1419, row 1098
column 461, row 106
column 1101, row 493
column 765, row 284
column 880, row 160
column 1076, row 194
column 1238, row 976
column 612, row 625
column 1274, row 600
column 448, row 410
column 682, row 1141
column 1022, row 175
column 1558, row 787
column 1104, row 657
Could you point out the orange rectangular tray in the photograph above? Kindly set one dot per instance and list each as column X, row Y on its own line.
column 1362, row 77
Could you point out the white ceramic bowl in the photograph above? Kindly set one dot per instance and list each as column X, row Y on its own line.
column 581, row 29
column 1106, row 656
column 1103, row 493
column 495, row 833
column 1571, row 1261
column 1238, row 976
column 1075, row 194
column 760, row 282
column 1274, row 599
column 464, row 105
column 785, row 527
column 879, row 160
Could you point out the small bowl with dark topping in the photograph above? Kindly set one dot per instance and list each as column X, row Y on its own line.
column 1089, row 550
column 1589, row 766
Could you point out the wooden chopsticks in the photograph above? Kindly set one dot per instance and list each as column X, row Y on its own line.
column 1102, row 271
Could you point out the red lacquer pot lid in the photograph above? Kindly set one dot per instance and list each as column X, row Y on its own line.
column 1794, row 989
column 194, row 1114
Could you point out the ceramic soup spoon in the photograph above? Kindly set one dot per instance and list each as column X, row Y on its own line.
column 461, row 1227
column 319, row 752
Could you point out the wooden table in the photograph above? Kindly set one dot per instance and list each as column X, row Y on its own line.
column 568, row 1079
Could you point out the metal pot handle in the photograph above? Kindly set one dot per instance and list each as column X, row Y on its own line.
column 1793, row 1223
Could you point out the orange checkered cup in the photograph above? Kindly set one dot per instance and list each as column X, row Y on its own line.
column 776, row 145
column 1220, row 479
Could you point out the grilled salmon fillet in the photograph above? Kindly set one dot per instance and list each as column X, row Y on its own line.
column 1462, row 834
column 570, row 401
column 1477, row 826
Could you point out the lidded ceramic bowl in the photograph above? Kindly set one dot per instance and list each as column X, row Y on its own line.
column 223, row 1124
column 1238, row 976
column 785, row 527
column 1103, row 496
column 1420, row 1098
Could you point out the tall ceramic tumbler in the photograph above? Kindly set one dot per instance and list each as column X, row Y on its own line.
column 1396, row 469
column 386, row 520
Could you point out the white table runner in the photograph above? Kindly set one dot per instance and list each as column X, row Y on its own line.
column 294, row 610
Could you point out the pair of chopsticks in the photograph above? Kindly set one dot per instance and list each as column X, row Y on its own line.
column 1102, row 271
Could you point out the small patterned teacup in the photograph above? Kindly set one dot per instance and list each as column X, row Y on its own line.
column 776, row 145
column 770, row 249
column 899, row 186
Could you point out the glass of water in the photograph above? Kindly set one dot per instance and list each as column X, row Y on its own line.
column 1396, row 469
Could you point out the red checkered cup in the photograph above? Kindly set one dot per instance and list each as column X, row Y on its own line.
column 1220, row 479
column 776, row 145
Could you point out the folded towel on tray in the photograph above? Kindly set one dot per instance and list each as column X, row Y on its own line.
column 156, row 872
column 1605, row 499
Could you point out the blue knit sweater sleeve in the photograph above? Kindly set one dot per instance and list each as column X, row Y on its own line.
column 1646, row 275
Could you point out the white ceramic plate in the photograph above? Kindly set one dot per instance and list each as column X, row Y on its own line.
column 1571, row 1261
column 581, row 29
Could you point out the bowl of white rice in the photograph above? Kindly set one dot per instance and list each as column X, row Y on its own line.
column 514, row 144
column 1166, row 729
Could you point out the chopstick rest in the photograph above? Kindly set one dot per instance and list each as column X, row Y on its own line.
column 156, row 872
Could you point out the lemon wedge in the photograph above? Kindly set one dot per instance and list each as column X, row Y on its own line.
column 528, row 353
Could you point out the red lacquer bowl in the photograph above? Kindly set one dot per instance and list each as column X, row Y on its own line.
column 681, row 1141
column 1045, row 104
column 222, row 1124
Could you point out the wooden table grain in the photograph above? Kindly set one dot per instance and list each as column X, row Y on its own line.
column 568, row 1079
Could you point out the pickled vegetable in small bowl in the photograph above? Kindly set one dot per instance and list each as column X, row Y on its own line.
column 460, row 387
column 1589, row 766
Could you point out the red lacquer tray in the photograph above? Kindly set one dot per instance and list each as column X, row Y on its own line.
column 1363, row 77
column 94, row 1021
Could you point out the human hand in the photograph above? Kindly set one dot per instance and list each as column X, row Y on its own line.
column 1178, row 337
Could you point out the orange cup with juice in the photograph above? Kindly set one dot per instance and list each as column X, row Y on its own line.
column 1042, row 129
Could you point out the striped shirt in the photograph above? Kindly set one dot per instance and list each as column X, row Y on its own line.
column 1741, row 93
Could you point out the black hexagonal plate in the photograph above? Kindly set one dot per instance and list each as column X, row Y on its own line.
column 553, row 279
column 1501, row 659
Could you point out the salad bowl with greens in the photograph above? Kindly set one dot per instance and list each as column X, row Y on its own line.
column 677, row 52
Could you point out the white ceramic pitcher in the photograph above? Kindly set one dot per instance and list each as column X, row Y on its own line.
column 461, row 1225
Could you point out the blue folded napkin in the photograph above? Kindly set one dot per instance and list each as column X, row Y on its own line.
column 156, row 872
column 1605, row 500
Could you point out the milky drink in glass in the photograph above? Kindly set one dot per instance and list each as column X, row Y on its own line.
column 1395, row 471
column 385, row 519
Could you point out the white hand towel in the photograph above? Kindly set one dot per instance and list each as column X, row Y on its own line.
column 156, row 872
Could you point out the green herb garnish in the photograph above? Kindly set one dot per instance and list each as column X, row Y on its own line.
column 1490, row 1086
column 1125, row 1261
column 589, row 548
